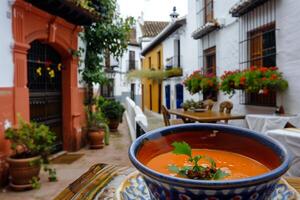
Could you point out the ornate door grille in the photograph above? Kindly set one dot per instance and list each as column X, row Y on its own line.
column 45, row 88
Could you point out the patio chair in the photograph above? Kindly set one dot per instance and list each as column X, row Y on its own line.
column 166, row 116
column 226, row 106
column 209, row 104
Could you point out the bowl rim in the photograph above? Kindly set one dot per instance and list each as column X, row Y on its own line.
column 269, row 176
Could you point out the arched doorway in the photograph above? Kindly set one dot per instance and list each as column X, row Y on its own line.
column 45, row 87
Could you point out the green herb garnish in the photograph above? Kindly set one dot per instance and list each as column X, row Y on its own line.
column 195, row 171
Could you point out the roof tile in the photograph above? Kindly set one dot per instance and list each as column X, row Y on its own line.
column 153, row 28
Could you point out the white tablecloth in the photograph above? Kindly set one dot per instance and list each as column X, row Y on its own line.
column 291, row 141
column 264, row 123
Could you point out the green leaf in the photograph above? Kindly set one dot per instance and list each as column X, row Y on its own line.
column 182, row 148
column 220, row 175
column 212, row 162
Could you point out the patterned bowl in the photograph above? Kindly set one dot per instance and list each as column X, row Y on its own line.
column 210, row 136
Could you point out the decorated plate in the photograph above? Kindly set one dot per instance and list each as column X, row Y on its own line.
column 134, row 188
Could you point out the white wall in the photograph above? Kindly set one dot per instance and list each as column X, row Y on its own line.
column 6, row 41
column 122, row 85
column 288, row 49
column 227, row 49
column 188, row 51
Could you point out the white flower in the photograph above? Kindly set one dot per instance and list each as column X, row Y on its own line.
column 7, row 124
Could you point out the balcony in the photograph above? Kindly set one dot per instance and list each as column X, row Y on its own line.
column 173, row 72
column 205, row 29
column 173, row 62
column 131, row 64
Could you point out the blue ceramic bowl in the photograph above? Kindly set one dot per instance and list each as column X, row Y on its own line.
column 210, row 136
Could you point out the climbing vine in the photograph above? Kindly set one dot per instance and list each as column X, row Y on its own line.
column 109, row 35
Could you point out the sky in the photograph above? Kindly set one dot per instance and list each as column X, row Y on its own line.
column 155, row 10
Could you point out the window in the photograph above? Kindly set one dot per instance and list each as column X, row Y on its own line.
column 107, row 90
column 150, row 91
column 176, row 62
column 210, row 60
column 132, row 91
column 131, row 60
column 262, row 45
column 257, row 46
column 159, row 60
column 149, row 61
column 210, row 68
column 208, row 11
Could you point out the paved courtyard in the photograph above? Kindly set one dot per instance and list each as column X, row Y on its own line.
column 115, row 153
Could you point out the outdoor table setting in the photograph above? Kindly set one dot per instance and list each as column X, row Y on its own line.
column 290, row 139
column 263, row 123
column 205, row 115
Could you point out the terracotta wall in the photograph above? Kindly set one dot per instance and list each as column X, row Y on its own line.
column 6, row 114
column 28, row 24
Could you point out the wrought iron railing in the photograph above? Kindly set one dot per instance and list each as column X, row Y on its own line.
column 173, row 62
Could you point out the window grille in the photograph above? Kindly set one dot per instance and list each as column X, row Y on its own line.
column 257, row 47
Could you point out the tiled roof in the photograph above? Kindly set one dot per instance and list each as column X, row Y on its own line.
column 168, row 30
column 132, row 39
column 153, row 28
column 244, row 6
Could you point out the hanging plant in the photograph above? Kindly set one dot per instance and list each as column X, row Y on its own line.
column 151, row 74
column 198, row 82
column 173, row 72
column 260, row 80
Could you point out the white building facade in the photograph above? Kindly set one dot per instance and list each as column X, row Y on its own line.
column 232, row 43
column 122, row 86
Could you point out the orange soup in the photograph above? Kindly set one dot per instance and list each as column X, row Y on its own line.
column 237, row 166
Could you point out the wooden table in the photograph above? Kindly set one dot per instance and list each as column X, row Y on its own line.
column 206, row 116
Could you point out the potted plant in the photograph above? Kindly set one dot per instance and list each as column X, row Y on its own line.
column 113, row 111
column 97, row 129
column 31, row 144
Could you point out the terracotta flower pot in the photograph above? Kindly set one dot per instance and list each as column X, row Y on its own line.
column 113, row 125
column 22, row 171
column 96, row 139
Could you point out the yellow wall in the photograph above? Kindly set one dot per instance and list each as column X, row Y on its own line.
column 153, row 54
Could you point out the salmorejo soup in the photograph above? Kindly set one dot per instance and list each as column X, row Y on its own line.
column 205, row 164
